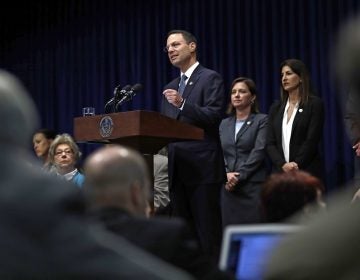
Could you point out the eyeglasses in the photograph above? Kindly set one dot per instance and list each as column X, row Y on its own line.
column 174, row 45
column 60, row 152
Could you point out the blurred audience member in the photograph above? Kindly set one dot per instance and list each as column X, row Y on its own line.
column 65, row 154
column 295, row 192
column 347, row 70
column 43, row 233
column 161, row 182
column 296, row 122
column 327, row 248
column 356, row 196
column 243, row 140
column 352, row 122
column 42, row 140
column 117, row 186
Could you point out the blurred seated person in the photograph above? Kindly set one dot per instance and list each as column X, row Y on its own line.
column 356, row 197
column 117, row 187
column 44, row 233
column 42, row 140
column 285, row 194
column 64, row 155
column 161, row 182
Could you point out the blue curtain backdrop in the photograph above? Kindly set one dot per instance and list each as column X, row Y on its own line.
column 72, row 53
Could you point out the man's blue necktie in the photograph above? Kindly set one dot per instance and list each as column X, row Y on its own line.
column 182, row 84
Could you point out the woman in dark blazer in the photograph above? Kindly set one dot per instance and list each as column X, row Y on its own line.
column 243, row 139
column 296, row 122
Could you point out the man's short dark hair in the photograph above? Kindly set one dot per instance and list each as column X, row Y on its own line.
column 189, row 37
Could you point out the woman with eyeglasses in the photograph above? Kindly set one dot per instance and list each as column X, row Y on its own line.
column 65, row 154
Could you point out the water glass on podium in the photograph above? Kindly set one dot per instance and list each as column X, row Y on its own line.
column 88, row 111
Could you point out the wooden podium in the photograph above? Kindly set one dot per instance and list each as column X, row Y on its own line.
column 144, row 131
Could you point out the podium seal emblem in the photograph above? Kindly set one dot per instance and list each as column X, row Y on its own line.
column 106, row 126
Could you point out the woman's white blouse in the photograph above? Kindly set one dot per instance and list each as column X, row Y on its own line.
column 286, row 130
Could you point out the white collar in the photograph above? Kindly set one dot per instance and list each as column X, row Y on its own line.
column 70, row 175
column 190, row 70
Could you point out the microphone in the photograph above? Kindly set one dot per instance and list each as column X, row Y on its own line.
column 135, row 88
column 111, row 101
column 116, row 89
column 120, row 93
column 129, row 95
column 117, row 95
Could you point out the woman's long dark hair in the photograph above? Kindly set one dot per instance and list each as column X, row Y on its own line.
column 299, row 68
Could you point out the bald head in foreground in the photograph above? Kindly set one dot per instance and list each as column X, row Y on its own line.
column 117, row 176
column 117, row 187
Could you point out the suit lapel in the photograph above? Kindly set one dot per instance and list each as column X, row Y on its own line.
column 192, row 81
column 230, row 131
column 298, row 117
column 278, row 122
column 248, row 122
column 175, row 112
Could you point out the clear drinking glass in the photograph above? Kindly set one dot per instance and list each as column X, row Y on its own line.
column 88, row 111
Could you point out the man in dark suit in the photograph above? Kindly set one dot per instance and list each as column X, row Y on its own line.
column 196, row 168
column 117, row 186
column 43, row 233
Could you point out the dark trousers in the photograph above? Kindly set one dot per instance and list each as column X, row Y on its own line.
column 199, row 205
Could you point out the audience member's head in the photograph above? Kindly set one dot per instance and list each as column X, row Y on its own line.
column 42, row 140
column 18, row 114
column 64, row 153
column 347, row 55
column 117, row 176
column 286, row 194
